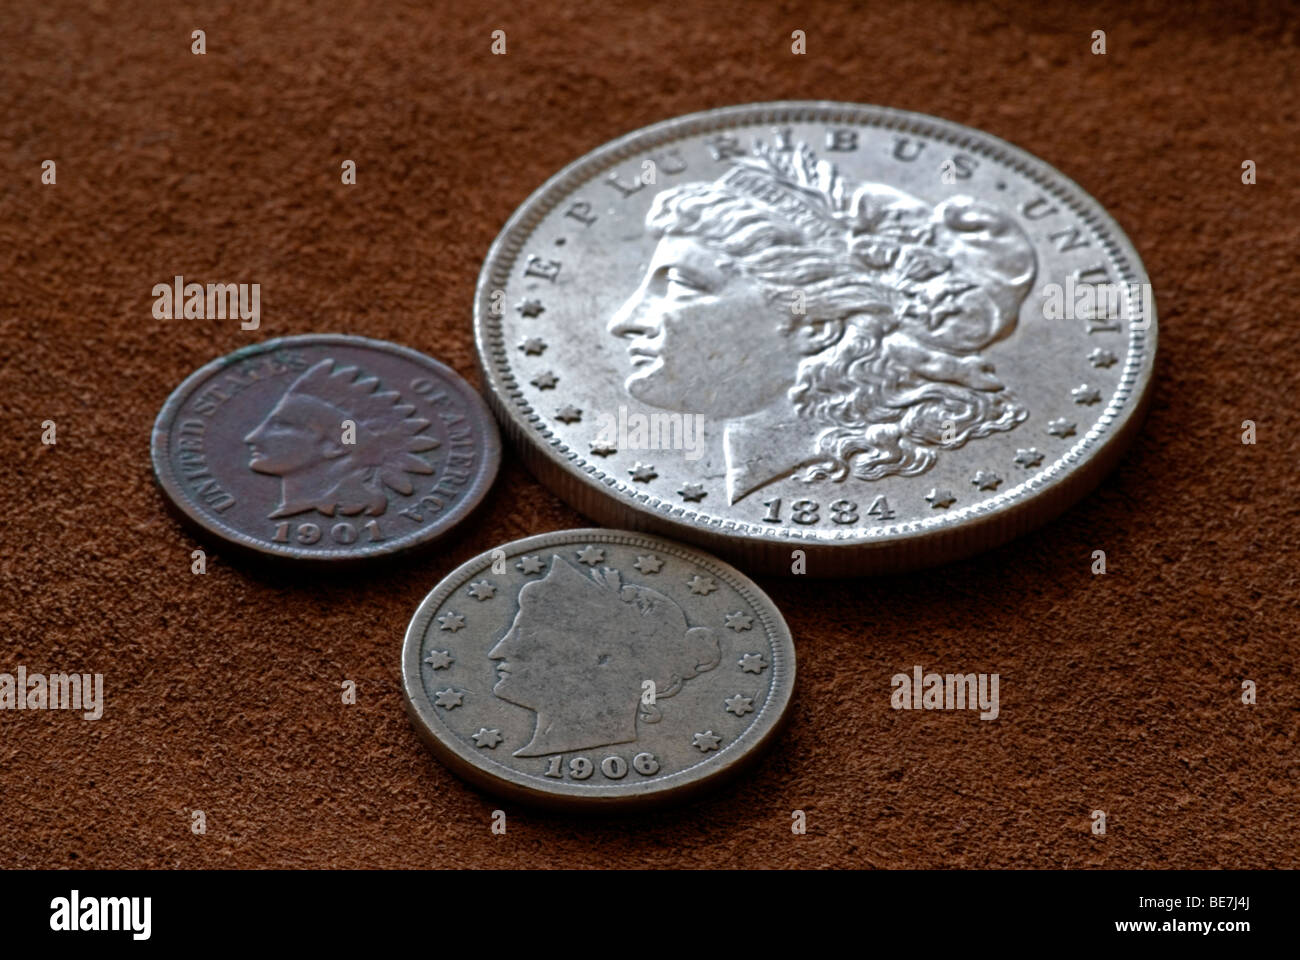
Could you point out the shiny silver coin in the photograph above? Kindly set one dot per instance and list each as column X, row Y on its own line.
column 596, row 669
column 876, row 337
column 325, row 448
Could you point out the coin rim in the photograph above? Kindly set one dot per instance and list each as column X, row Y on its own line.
column 894, row 547
column 500, row 778
column 181, row 501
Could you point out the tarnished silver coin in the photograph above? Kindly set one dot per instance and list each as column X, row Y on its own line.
column 325, row 447
column 877, row 337
column 596, row 669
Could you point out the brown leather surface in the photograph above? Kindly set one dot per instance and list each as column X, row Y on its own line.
column 1119, row 692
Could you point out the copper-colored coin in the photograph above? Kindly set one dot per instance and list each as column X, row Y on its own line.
column 325, row 447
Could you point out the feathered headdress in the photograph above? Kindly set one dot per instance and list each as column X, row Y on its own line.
column 389, row 434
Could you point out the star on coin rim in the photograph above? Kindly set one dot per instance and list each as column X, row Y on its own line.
column 1051, row 488
column 179, row 499
column 482, row 770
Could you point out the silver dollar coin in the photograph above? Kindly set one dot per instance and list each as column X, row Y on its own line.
column 877, row 337
column 597, row 668
column 326, row 448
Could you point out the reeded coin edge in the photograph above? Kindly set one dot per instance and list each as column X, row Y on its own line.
column 521, row 419
column 181, row 500
column 492, row 774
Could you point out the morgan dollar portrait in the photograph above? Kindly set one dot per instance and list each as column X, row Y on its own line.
column 838, row 325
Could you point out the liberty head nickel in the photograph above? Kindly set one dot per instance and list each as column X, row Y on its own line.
column 325, row 447
column 877, row 337
column 592, row 669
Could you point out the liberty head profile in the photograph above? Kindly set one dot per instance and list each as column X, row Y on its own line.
column 301, row 441
column 581, row 647
column 836, row 327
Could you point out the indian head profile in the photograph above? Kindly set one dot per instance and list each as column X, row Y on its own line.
column 580, row 648
column 837, row 328
column 301, row 441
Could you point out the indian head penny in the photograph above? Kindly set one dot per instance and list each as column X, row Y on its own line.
column 596, row 669
column 325, row 447
column 876, row 337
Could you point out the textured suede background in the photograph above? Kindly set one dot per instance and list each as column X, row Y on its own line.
column 1119, row 693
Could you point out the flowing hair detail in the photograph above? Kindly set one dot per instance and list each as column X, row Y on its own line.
column 913, row 291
